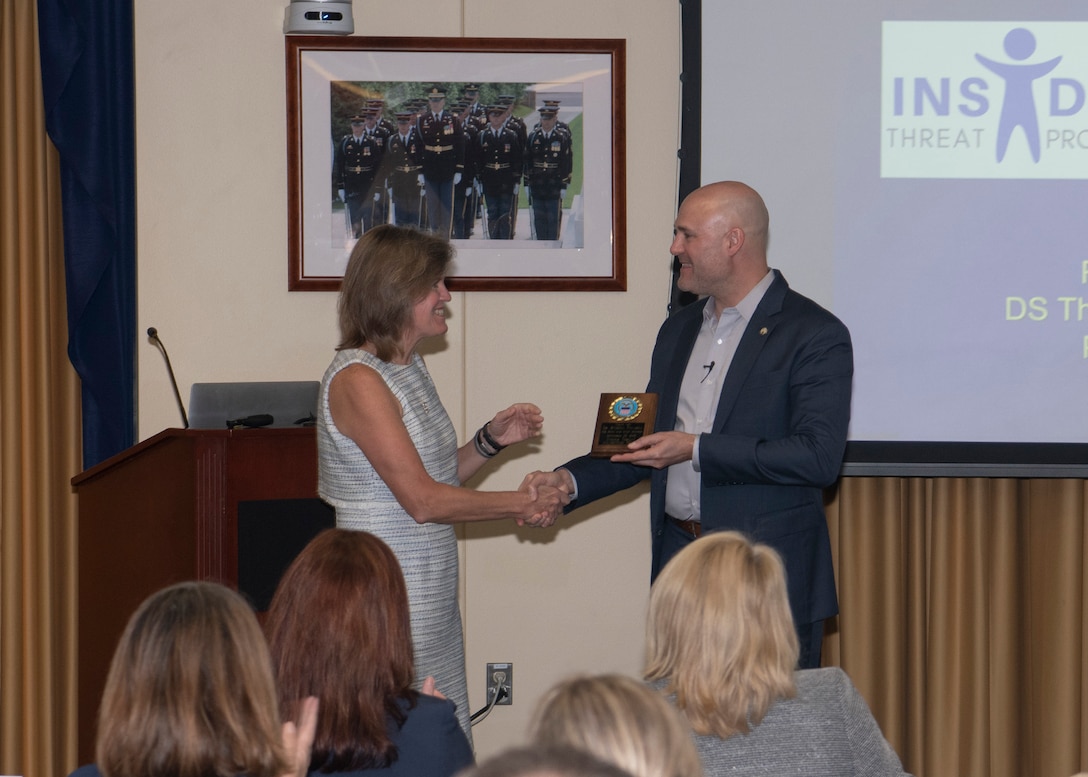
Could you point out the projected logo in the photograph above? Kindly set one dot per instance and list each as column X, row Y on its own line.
column 984, row 100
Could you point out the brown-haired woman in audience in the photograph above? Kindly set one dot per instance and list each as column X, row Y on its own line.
column 190, row 694
column 338, row 628
column 721, row 645
column 387, row 451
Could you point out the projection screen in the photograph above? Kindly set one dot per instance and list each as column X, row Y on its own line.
column 926, row 169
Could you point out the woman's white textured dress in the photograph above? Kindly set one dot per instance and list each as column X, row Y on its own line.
column 363, row 502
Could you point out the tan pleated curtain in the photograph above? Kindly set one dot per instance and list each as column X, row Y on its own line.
column 963, row 606
column 963, row 601
column 39, row 427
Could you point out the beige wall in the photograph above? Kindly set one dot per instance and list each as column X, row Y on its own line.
column 211, row 183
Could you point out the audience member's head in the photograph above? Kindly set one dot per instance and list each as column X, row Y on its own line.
column 544, row 761
column 720, row 633
column 190, row 691
column 620, row 720
column 338, row 629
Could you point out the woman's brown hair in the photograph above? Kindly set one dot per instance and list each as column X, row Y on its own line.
column 390, row 269
column 190, row 691
column 338, row 629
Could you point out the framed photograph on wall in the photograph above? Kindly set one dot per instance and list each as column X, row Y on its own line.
column 513, row 147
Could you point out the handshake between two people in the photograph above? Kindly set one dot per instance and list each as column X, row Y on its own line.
column 554, row 490
column 550, row 492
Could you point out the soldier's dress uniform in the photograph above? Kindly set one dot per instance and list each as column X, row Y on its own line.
column 356, row 167
column 381, row 185
column 549, row 161
column 501, row 160
column 403, row 157
column 443, row 158
column 477, row 119
column 465, row 196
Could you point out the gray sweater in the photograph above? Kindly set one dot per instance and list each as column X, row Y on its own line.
column 826, row 730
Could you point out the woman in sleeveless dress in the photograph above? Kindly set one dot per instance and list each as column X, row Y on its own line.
column 389, row 462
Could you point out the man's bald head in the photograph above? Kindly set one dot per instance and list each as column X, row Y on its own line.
column 720, row 240
column 738, row 205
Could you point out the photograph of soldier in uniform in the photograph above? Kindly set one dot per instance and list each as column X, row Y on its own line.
column 404, row 171
column 466, row 194
column 548, row 167
column 474, row 161
column 501, row 165
column 356, row 163
column 443, row 159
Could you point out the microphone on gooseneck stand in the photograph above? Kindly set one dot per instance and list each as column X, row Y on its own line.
column 153, row 333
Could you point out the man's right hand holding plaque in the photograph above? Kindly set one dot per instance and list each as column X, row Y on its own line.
column 622, row 419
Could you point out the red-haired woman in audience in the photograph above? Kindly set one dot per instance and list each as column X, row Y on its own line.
column 721, row 645
column 338, row 628
column 190, row 694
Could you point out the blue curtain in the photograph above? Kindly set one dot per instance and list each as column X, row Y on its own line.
column 87, row 81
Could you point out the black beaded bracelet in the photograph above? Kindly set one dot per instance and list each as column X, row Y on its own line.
column 483, row 447
column 489, row 439
column 480, row 449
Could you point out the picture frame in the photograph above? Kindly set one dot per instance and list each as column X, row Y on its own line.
column 331, row 79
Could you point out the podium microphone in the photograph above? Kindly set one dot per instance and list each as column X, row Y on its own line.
column 153, row 333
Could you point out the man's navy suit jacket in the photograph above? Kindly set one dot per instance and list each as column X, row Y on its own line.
column 778, row 438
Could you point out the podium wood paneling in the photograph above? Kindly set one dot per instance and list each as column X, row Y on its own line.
column 164, row 511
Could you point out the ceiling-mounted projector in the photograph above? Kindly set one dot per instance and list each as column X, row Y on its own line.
column 318, row 17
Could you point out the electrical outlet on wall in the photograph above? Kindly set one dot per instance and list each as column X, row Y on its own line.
column 500, row 677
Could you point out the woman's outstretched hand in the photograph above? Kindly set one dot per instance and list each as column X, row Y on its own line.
column 516, row 423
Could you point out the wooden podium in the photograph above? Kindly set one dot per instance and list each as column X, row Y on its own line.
column 234, row 506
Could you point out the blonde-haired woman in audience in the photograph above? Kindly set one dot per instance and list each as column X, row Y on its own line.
column 721, row 645
column 190, row 694
column 619, row 720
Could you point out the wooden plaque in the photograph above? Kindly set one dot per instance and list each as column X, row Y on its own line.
column 622, row 419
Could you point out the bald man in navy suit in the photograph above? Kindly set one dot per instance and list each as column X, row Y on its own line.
column 753, row 385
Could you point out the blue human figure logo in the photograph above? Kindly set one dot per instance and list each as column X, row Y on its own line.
column 1018, row 110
